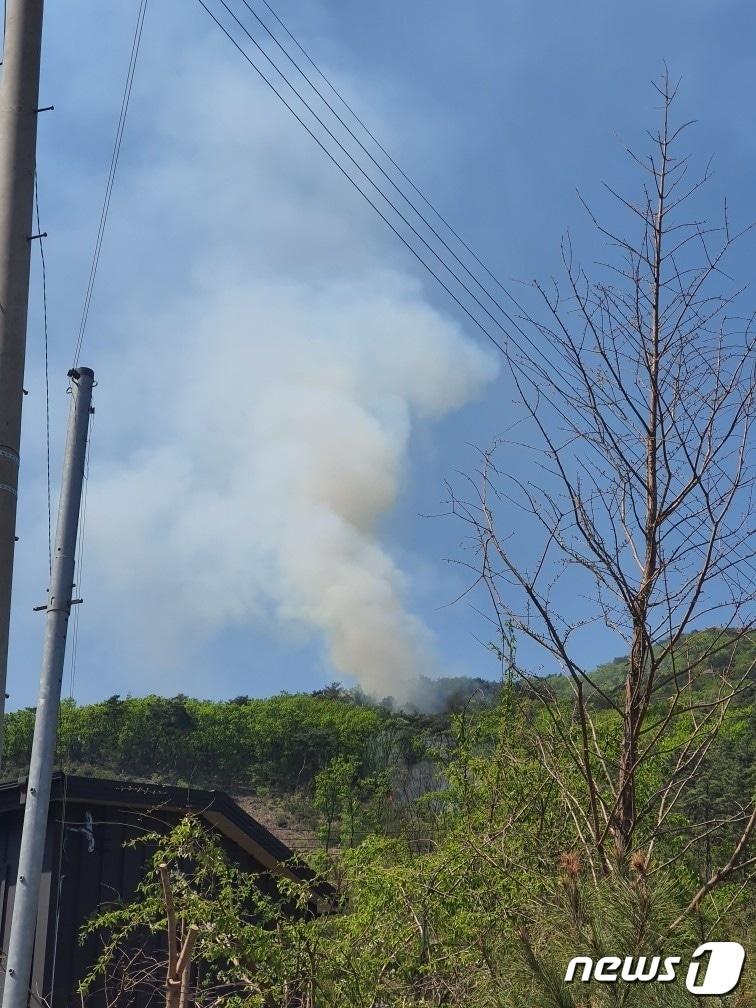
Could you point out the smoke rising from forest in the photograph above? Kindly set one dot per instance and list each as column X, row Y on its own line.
column 265, row 487
column 290, row 356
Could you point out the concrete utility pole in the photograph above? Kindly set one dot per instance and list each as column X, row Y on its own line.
column 24, row 921
column 19, row 95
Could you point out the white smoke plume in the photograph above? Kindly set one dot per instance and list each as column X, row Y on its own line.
column 260, row 422
column 279, row 454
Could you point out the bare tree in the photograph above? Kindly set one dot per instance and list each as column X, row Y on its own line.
column 638, row 387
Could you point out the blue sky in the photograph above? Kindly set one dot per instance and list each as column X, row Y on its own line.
column 238, row 264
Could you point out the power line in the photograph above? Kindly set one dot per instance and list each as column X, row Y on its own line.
column 356, row 185
column 386, row 153
column 362, row 171
column 538, row 366
column 111, row 174
column 535, row 357
column 47, row 369
column 536, row 350
column 543, row 368
column 377, row 164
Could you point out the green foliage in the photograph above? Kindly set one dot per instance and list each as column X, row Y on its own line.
column 279, row 742
column 455, row 843
column 715, row 649
column 471, row 894
column 350, row 804
column 283, row 742
column 252, row 934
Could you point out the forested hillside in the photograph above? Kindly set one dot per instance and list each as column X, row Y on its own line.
column 279, row 745
column 459, row 865
column 451, row 837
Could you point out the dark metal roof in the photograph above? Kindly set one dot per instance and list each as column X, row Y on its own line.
column 216, row 807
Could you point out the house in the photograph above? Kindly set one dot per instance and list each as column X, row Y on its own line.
column 87, row 865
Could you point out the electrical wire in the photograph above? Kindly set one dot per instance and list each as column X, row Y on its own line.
column 386, row 153
column 543, row 373
column 383, row 171
column 47, row 371
column 354, row 183
column 111, row 175
column 79, row 567
column 535, row 356
column 360, row 168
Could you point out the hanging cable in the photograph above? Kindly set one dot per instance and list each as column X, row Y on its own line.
column 356, row 185
column 362, row 171
column 386, row 153
column 111, row 175
column 536, row 357
column 47, row 371
column 382, row 170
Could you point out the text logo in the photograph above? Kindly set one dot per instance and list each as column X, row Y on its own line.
column 721, row 973
column 714, row 968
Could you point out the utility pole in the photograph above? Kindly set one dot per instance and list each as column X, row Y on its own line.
column 24, row 921
column 19, row 96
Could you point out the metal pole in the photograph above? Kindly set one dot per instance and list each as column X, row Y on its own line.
column 24, row 922
column 19, row 94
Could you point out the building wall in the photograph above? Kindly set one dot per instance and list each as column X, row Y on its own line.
column 77, row 882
